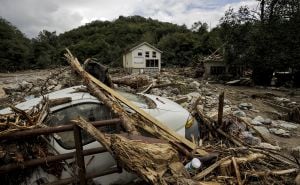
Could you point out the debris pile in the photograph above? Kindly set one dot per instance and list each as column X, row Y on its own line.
column 17, row 152
column 233, row 148
column 241, row 158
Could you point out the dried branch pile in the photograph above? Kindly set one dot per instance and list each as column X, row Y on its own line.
column 19, row 151
column 242, row 161
column 22, row 120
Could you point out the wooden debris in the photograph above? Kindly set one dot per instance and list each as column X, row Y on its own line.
column 237, row 171
column 133, row 81
column 208, row 170
column 59, row 101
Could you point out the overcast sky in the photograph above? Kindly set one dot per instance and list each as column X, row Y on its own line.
column 32, row 16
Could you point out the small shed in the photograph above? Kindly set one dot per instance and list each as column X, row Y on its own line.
column 143, row 58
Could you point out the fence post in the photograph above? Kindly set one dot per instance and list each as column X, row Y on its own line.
column 220, row 111
column 79, row 155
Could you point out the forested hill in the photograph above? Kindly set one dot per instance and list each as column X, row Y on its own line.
column 106, row 41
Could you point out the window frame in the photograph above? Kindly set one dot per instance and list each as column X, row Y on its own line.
column 153, row 54
column 147, row 54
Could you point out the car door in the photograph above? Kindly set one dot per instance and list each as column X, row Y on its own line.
column 63, row 142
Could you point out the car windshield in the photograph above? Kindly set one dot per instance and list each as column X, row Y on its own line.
column 88, row 111
column 140, row 99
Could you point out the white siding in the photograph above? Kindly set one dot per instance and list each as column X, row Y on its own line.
column 134, row 62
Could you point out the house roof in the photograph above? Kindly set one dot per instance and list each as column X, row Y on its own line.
column 144, row 43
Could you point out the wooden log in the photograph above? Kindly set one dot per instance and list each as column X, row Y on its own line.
column 59, row 101
column 237, row 171
column 133, row 81
column 271, row 172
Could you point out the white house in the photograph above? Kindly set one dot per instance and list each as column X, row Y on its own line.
column 142, row 58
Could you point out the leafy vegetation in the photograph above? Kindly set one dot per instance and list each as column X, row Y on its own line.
column 265, row 41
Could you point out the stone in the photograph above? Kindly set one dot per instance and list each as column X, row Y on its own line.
column 245, row 106
column 269, row 146
column 175, row 91
column 249, row 138
column 287, row 125
column 255, row 122
column 239, row 113
column 195, row 84
column 52, row 82
column 58, row 87
column 259, row 119
column 194, row 95
column 280, row 132
column 24, row 85
column 263, row 131
column 282, row 99
column 267, row 121
column 297, row 149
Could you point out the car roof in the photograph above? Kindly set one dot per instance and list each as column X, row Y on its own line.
column 71, row 92
column 76, row 95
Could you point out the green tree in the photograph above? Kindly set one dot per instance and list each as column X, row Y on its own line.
column 14, row 48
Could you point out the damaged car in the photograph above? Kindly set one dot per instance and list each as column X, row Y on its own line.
column 91, row 109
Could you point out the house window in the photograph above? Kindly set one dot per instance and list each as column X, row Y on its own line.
column 140, row 52
column 147, row 54
column 151, row 63
column 156, row 63
column 153, row 54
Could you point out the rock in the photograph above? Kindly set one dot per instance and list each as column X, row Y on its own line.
column 259, row 119
column 195, row 84
column 52, row 82
column 194, row 95
column 51, row 87
column 239, row 113
column 269, row 146
column 254, row 122
column 297, row 149
column 175, row 91
column 287, row 125
column 58, row 87
column 9, row 90
column 25, row 85
column 249, row 138
column 245, row 106
column 282, row 99
column 267, row 121
column 263, row 131
column 280, row 132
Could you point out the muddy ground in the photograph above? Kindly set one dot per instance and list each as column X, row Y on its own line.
column 235, row 94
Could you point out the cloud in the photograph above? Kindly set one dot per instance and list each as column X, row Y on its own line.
column 33, row 16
